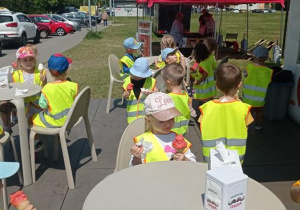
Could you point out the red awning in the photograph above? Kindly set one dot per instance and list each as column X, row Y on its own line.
column 151, row 2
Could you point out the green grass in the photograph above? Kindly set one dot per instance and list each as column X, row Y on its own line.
column 90, row 67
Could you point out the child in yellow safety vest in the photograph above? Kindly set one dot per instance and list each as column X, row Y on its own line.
column 204, row 84
column 160, row 112
column 1, row 132
column 57, row 97
column 257, row 79
column 28, row 73
column 295, row 192
column 136, row 87
column 225, row 119
column 126, row 62
column 173, row 75
column 168, row 42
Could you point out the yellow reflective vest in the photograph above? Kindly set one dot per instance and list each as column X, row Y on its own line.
column 158, row 152
column 256, row 84
column 18, row 77
column 224, row 121
column 60, row 97
column 135, row 106
column 181, row 102
column 1, row 131
column 128, row 62
column 160, row 63
column 207, row 88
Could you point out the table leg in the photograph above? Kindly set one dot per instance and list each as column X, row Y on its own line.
column 24, row 142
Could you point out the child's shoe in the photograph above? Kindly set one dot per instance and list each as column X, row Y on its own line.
column 259, row 126
column 38, row 146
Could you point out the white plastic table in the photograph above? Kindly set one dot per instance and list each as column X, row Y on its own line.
column 18, row 101
column 168, row 185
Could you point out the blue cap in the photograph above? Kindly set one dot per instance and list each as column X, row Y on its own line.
column 261, row 52
column 7, row 169
column 165, row 52
column 59, row 63
column 131, row 43
column 141, row 68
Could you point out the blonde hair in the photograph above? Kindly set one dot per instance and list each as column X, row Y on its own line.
column 33, row 48
column 167, row 41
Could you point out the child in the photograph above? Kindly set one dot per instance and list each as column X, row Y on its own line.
column 57, row 97
column 295, row 192
column 140, row 78
column 225, row 119
column 204, row 84
column 167, row 42
column 173, row 75
column 160, row 112
column 126, row 62
column 169, row 55
column 212, row 46
column 257, row 79
column 1, row 132
column 28, row 73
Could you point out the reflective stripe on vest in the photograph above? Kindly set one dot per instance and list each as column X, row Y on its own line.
column 60, row 98
column 207, row 88
column 135, row 107
column 256, row 84
column 157, row 153
column 207, row 159
column 181, row 102
column 128, row 62
column 224, row 122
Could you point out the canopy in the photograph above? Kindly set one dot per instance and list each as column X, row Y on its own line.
column 151, row 2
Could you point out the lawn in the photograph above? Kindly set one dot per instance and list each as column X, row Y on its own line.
column 90, row 67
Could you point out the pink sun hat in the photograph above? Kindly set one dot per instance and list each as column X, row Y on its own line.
column 24, row 52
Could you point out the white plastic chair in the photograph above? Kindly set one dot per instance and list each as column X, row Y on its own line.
column 135, row 128
column 5, row 139
column 79, row 109
column 160, row 84
column 114, row 69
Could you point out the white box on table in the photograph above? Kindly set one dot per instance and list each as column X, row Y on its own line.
column 225, row 189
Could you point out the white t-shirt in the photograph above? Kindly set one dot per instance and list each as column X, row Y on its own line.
column 28, row 77
column 165, row 140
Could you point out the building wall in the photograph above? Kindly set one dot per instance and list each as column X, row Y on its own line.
column 292, row 57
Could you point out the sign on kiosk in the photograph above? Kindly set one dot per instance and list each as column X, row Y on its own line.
column 145, row 36
column 225, row 189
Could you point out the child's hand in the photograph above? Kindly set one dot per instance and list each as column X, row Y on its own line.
column 43, row 78
column 180, row 157
column 126, row 94
column 136, row 151
column 147, row 92
column 196, row 82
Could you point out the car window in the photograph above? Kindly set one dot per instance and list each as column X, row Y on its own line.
column 78, row 16
column 26, row 19
column 37, row 19
column 4, row 18
column 44, row 20
column 69, row 16
column 57, row 17
column 21, row 18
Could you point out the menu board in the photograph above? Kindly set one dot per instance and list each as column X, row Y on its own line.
column 145, row 36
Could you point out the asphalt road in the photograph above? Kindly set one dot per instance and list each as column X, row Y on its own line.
column 47, row 47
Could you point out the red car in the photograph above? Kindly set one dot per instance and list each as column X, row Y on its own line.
column 58, row 28
column 44, row 30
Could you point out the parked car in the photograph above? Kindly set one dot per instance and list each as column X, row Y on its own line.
column 265, row 11
column 58, row 28
column 1, row 47
column 272, row 10
column 236, row 11
column 257, row 11
column 17, row 28
column 94, row 20
column 60, row 18
column 76, row 16
column 45, row 31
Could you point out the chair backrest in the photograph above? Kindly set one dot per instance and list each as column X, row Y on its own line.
column 79, row 108
column 113, row 64
column 224, row 60
column 160, row 84
column 135, row 128
column 231, row 36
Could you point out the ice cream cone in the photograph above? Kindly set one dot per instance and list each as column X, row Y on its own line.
column 20, row 201
column 179, row 144
column 23, row 205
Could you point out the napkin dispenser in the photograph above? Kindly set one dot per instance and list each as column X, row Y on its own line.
column 225, row 189
column 5, row 77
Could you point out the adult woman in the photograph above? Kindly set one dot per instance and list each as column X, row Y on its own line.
column 177, row 29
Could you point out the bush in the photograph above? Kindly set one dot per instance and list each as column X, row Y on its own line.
column 93, row 35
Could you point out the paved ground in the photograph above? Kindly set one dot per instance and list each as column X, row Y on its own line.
column 272, row 159
column 53, row 44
